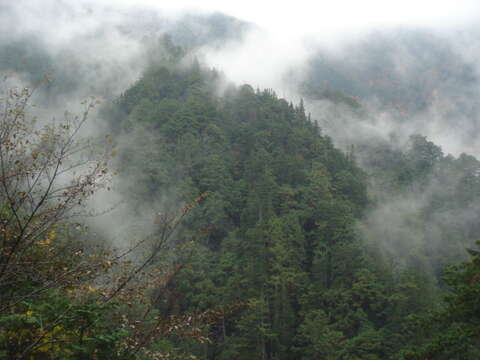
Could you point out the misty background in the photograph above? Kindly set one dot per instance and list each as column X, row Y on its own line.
column 371, row 76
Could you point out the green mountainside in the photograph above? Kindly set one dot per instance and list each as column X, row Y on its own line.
column 268, row 241
column 281, row 209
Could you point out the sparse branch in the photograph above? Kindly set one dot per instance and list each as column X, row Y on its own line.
column 46, row 174
column 38, row 188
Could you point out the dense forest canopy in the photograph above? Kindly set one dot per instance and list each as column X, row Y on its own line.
column 211, row 220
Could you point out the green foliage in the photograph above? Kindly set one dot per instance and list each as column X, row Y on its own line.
column 279, row 217
column 274, row 238
column 452, row 332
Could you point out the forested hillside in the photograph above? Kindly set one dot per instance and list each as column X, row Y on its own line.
column 281, row 210
column 246, row 232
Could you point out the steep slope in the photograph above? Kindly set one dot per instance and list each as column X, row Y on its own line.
column 276, row 229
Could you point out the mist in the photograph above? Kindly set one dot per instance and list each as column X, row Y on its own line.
column 254, row 180
column 371, row 73
column 72, row 52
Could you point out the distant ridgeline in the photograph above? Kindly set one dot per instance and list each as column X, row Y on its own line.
column 402, row 69
column 84, row 65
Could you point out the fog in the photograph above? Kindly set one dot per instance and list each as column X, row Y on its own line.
column 408, row 67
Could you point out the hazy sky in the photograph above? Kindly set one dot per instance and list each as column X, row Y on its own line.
column 303, row 16
column 288, row 28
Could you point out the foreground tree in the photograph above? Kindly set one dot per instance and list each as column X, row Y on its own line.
column 46, row 174
column 62, row 295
